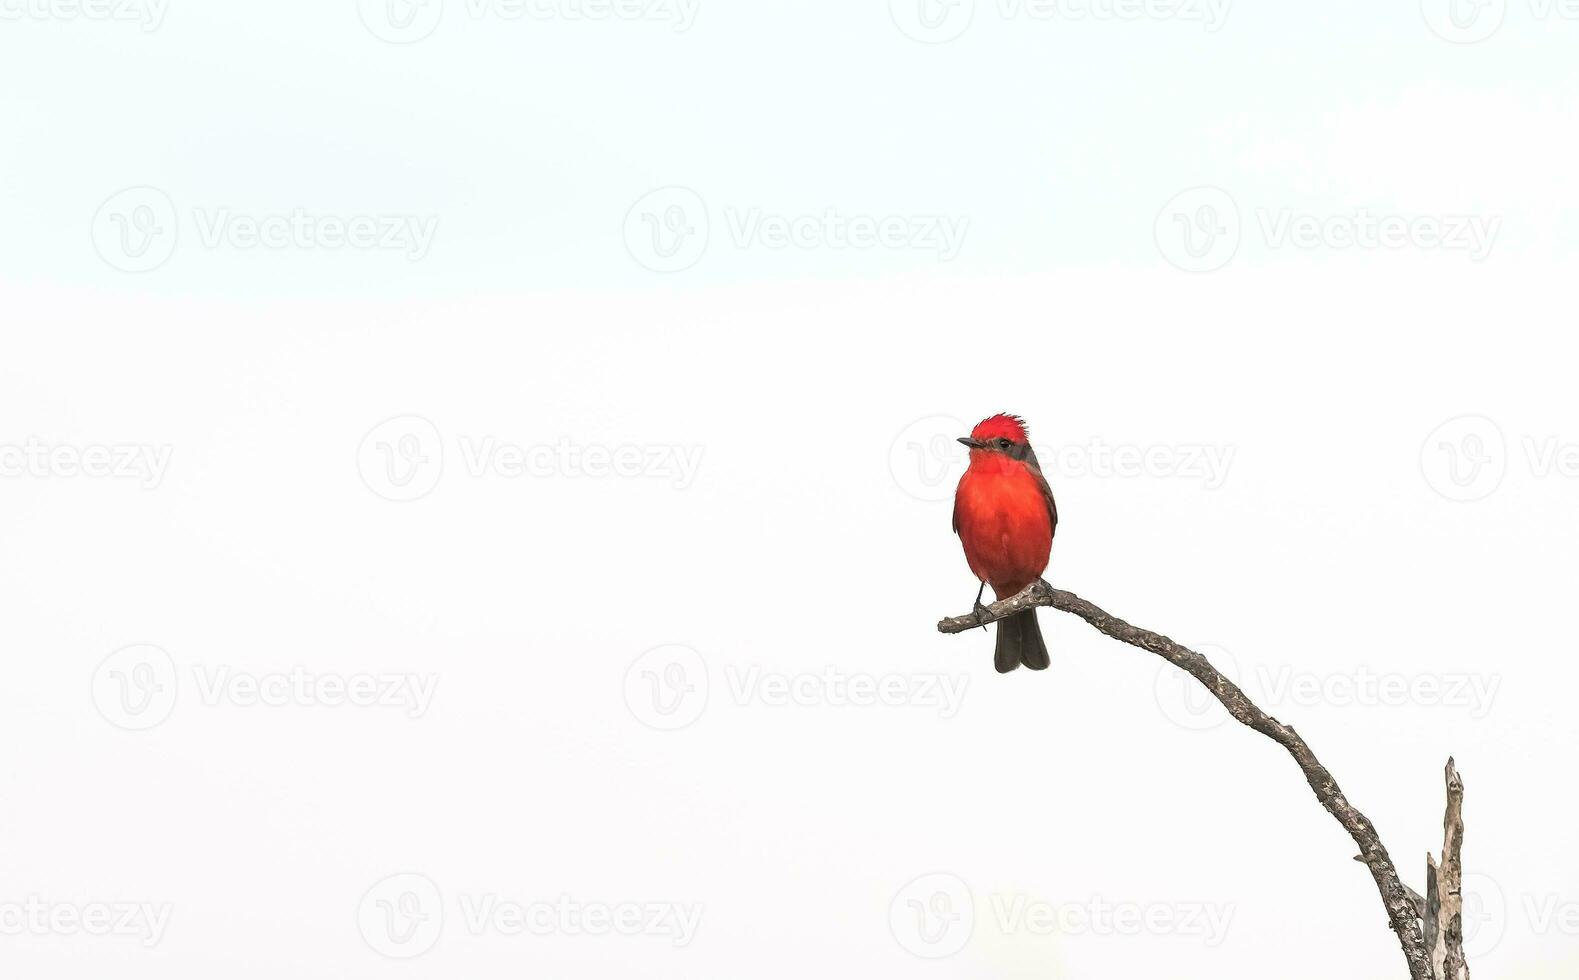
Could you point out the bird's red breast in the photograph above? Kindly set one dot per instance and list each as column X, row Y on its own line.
column 1003, row 510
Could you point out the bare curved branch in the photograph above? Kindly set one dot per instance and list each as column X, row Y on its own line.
column 1402, row 913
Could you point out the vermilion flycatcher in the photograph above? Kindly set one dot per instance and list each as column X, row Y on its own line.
column 1005, row 517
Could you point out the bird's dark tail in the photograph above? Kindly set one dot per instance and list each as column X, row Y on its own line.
column 1020, row 642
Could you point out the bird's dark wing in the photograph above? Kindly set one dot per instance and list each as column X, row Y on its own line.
column 1047, row 491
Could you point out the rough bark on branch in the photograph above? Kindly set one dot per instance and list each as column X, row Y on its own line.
column 1446, row 913
column 1403, row 914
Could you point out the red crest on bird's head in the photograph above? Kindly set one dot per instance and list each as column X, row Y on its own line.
column 1001, row 426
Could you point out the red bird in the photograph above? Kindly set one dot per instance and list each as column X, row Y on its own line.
column 1005, row 517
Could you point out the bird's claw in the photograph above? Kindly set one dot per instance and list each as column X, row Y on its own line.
column 981, row 612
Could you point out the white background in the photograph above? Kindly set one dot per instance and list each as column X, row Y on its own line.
column 1396, row 513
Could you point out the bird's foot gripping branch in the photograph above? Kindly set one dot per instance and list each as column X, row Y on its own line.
column 1429, row 929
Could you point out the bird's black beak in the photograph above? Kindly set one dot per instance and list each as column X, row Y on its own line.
column 968, row 441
